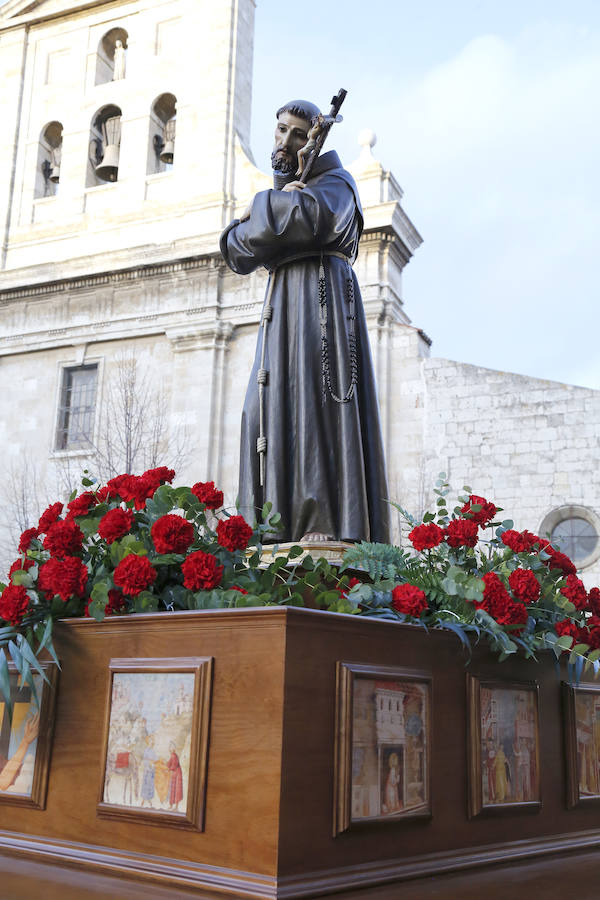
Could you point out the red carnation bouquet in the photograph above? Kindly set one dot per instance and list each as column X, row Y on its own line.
column 139, row 544
column 471, row 571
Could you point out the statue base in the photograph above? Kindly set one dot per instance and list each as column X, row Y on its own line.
column 292, row 802
column 332, row 551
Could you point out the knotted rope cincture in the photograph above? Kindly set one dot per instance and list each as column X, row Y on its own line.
column 262, row 376
column 325, row 367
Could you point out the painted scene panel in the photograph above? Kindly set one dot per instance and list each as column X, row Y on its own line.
column 19, row 740
column 587, row 718
column 149, row 741
column 390, row 748
column 509, row 746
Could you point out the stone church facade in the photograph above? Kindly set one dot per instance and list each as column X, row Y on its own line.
column 125, row 152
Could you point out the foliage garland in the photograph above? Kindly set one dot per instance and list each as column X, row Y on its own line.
column 137, row 544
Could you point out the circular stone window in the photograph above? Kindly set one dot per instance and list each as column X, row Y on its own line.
column 575, row 531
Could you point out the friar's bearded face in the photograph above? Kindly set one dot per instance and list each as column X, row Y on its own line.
column 291, row 134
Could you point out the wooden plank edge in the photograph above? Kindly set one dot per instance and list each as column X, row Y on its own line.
column 368, row 875
column 137, row 866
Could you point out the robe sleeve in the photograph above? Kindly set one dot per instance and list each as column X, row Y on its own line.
column 286, row 222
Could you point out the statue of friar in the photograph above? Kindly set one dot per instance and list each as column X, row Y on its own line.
column 311, row 438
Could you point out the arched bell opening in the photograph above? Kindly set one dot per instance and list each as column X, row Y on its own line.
column 47, row 175
column 104, row 146
column 111, row 57
column 162, row 134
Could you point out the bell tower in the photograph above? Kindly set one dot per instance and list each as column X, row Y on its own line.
column 93, row 93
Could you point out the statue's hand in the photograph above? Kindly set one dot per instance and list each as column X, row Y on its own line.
column 294, row 186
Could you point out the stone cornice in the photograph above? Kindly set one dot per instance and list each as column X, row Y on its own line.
column 10, row 17
column 120, row 276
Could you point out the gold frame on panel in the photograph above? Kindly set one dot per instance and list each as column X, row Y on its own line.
column 346, row 674
column 47, row 707
column 476, row 806
column 193, row 817
column 572, row 757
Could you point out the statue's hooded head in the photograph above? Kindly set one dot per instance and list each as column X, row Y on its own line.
column 291, row 133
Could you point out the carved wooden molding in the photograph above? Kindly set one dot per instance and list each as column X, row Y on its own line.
column 237, row 883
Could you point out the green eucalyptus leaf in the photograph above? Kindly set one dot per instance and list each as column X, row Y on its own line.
column 21, row 577
column 167, row 559
column 89, row 524
column 97, row 610
column 145, row 601
column 5, row 684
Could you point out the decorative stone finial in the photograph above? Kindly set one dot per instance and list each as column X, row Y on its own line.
column 367, row 138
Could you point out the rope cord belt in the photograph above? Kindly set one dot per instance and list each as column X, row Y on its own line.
column 263, row 374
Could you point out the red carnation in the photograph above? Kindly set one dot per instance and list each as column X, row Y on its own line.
column 102, row 494
column 513, row 614
column 236, row 588
column 594, row 600
column 65, row 577
column 496, row 599
column 519, row 541
column 424, row 537
column 557, row 559
column 122, row 487
column 115, row 523
column 48, row 517
column 147, row 484
column 575, row 591
column 483, row 515
column 234, row 533
column 590, row 634
column 116, row 604
column 201, row 571
column 207, row 493
column 566, row 626
column 20, row 565
column 524, row 585
column 134, row 574
column 160, row 475
column 14, row 603
column 64, row 538
column 81, row 505
column 172, row 534
column 410, row 600
column 26, row 538
column 344, row 591
column 462, row 533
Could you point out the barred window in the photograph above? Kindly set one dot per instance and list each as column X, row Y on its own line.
column 576, row 537
column 77, row 406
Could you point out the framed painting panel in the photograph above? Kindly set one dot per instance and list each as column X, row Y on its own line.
column 26, row 741
column 382, row 747
column 582, row 743
column 504, row 752
column 156, row 741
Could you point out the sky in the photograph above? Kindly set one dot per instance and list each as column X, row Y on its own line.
column 488, row 116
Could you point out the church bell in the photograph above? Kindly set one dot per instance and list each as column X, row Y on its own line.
column 55, row 167
column 168, row 151
column 108, row 169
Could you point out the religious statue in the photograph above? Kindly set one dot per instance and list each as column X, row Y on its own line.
column 119, row 62
column 310, row 437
